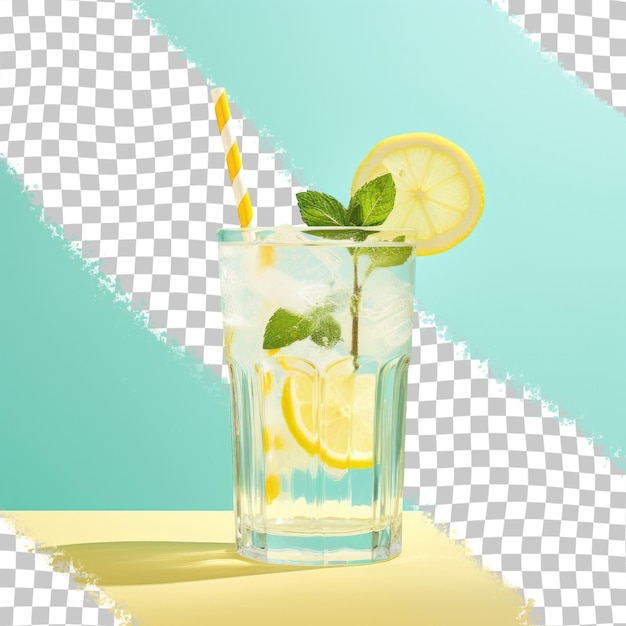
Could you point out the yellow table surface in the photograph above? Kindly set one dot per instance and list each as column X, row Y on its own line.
column 181, row 568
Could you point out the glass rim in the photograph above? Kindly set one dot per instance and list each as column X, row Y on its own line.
column 305, row 228
column 255, row 236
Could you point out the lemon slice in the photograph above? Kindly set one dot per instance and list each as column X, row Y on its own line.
column 341, row 430
column 347, row 432
column 297, row 404
column 439, row 192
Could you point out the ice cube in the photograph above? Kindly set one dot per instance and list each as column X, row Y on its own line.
column 237, row 271
column 315, row 262
column 300, row 277
column 285, row 233
column 386, row 314
column 279, row 289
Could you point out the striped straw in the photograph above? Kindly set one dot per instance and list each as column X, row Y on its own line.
column 233, row 158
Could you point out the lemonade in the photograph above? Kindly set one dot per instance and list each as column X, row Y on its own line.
column 319, row 421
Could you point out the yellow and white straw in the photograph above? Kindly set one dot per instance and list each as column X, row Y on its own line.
column 247, row 217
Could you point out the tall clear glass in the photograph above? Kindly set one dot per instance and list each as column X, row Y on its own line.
column 317, row 336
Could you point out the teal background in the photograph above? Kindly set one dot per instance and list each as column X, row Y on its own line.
column 96, row 413
column 537, row 289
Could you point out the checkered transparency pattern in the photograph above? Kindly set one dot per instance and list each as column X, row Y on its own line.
column 588, row 38
column 117, row 132
column 529, row 494
column 31, row 592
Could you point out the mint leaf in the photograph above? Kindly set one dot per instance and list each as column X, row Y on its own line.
column 355, row 212
column 386, row 256
column 285, row 327
column 373, row 202
column 327, row 332
column 320, row 209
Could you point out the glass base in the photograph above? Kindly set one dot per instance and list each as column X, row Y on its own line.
column 321, row 549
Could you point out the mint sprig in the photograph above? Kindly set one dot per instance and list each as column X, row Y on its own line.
column 369, row 206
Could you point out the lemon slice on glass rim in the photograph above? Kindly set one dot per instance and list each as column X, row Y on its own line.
column 439, row 192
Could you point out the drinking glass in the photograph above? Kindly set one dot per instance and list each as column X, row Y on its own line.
column 317, row 337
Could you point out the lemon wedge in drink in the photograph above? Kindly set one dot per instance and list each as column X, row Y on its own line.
column 297, row 404
column 341, row 430
column 439, row 192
